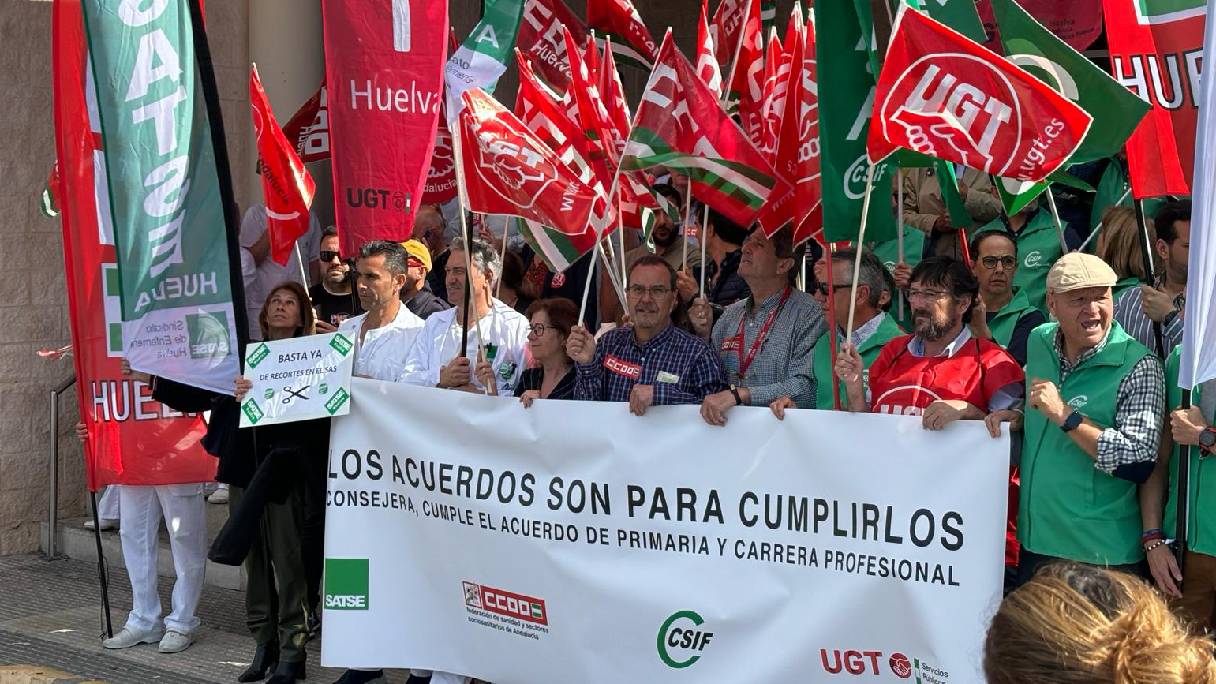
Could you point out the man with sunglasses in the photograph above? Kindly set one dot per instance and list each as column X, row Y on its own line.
column 1003, row 313
column 765, row 341
column 650, row 362
column 334, row 297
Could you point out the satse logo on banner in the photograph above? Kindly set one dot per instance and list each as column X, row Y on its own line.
column 347, row 583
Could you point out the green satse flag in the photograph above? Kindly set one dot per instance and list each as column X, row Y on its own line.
column 1115, row 109
column 482, row 59
column 165, row 192
column 844, row 120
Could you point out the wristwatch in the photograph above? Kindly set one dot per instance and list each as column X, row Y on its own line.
column 1207, row 440
column 738, row 399
column 1072, row 422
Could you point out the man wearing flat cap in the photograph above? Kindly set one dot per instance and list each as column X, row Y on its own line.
column 1095, row 398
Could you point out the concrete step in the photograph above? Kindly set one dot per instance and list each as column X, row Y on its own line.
column 76, row 542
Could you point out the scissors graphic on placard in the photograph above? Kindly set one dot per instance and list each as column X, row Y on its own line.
column 295, row 394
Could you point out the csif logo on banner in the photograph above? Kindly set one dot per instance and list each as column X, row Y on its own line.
column 682, row 640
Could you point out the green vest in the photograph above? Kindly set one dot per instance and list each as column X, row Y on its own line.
column 888, row 250
column 1068, row 508
column 1003, row 324
column 822, row 363
column 1123, row 285
column 1201, row 533
column 1110, row 188
column 1038, row 248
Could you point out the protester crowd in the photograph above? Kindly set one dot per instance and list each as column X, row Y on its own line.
column 1046, row 330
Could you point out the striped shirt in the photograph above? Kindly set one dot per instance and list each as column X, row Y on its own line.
column 679, row 365
column 1129, row 311
column 783, row 363
column 1129, row 447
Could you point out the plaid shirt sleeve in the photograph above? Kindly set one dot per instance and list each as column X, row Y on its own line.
column 1133, row 440
column 589, row 378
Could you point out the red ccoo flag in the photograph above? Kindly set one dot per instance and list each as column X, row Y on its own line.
column 308, row 128
column 540, row 38
column 286, row 185
column 508, row 170
column 948, row 97
column 708, row 69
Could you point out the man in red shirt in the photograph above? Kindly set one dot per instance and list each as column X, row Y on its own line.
column 942, row 373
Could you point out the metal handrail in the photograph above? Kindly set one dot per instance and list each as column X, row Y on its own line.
column 52, row 513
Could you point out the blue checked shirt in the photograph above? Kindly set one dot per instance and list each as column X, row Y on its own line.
column 679, row 365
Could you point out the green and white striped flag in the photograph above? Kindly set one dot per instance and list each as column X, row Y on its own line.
column 557, row 249
column 482, row 59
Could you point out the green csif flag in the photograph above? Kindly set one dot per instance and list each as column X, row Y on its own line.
column 1115, row 109
column 844, row 70
column 482, row 59
column 166, row 194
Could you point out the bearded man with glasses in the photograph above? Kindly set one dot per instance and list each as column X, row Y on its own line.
column 649, row 362
column 1003, row 312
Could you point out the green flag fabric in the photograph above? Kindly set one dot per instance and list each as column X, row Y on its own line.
column 482, row 59
column 1115, row 109
column 844, row 70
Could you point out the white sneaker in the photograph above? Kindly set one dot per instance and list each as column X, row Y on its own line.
column 175, row 642
column 129, row 637
column 219, row 496
column 105, row 524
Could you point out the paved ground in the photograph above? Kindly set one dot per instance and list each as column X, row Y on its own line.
column 50, row 616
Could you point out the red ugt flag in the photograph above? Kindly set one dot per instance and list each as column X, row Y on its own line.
column 384, row 66
column 620, row 21
column 286, row 185
column 508, row 170
column 943, row 95
column 1155, row 50
column 541, row 39
column 308, row 129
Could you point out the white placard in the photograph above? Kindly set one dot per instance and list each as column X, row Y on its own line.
column 300, row 378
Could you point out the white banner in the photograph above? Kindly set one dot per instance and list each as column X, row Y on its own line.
column 300, row 378
column 574, row 542
column 1199, row 333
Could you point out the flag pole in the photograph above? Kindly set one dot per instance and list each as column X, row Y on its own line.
column 502, row 257
column 582, row 309
column 620, row 238
column 687, row 215
column 899, row 232
column 1184, row 500
column 703, row 241
column 609, row 259
column 458, row 154
column 1150, row 273
column 1094, row 233
column 300, row 259
column 1055, row 216
column 861, row 238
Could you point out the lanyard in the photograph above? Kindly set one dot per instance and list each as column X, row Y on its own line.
column 745, row 363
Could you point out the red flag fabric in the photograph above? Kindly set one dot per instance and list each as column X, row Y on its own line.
column 308, row 129
column 441, row 177
column 797, row 152
column 746, row 75
column 132, row 439
column 287, row 187
column 776, row 85
column 1155, row 51
column 592, row 117
column 1076, row 22
column 509, row 170
column 793, row 29
column 620, row 20
column 540, row 38
column 708, row 69
column 682, row 126
column 613, row 95
column 552, row 119
column 385, row 63
column 726, row 28
column 943, row 95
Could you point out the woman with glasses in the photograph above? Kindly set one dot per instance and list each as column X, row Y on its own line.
column 553, row 375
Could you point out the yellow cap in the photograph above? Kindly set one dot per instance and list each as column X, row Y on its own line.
column 419, row 251
column 1077, row 270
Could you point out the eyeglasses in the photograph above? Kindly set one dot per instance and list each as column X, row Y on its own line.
column 928, row 295
column 327, row 257
column 991, row 262
column 823, row 287
column 655, row 291
column 538, row 329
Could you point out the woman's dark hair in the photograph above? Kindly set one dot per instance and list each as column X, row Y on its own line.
column 951, row 274
column 562, row 313
column 308, row 322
